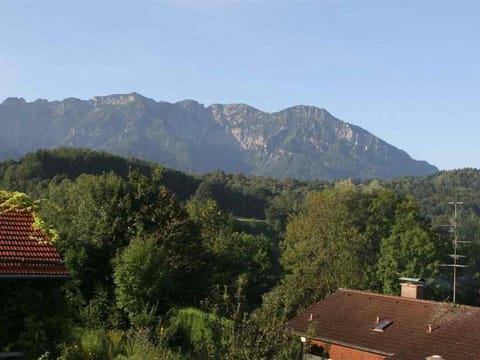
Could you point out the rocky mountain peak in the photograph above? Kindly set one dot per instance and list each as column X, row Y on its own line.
column 307, row 111
column 190, row 105
column 12, row 101
column 302, row 141
column 118, row 99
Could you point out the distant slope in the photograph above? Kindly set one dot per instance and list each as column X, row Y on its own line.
column 299, row 142
column 35, row 170
column 246, row 196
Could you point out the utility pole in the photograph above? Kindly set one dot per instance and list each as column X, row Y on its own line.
column 455, row 255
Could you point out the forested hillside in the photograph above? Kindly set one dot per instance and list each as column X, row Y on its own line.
column 173, row 266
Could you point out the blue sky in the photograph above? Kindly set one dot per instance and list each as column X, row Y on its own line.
column 407, row 71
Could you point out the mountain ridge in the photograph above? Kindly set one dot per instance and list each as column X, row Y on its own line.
column 301, row 141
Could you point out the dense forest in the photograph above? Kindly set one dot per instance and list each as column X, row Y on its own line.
column 166, row 265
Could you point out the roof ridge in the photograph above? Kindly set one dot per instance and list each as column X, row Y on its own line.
column 406, row 299
column 15, row 208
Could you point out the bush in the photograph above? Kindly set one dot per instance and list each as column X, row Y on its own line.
column 95, row 344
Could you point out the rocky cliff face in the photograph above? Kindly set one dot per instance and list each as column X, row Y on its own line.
column 299, row 142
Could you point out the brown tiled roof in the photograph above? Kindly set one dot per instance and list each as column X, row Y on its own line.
column 25, row 251
column 348, row 317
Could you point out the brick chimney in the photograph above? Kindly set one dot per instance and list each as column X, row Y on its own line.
column 412, row 288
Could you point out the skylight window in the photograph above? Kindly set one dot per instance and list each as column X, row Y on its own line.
column 382, row 325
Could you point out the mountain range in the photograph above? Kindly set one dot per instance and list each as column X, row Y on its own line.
column 302, row 142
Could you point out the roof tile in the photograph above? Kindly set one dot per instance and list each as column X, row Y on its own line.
column 25, row 250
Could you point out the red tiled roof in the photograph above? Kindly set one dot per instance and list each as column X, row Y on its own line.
column 347, row 317
column 25, row 251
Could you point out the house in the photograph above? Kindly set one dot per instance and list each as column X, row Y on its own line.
column 26, row 252
column 31, row 272
column 360, row 325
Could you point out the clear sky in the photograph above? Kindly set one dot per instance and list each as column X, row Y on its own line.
column 407, row 71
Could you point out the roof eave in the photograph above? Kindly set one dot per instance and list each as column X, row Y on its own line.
column 342, row 343
column 33, row 276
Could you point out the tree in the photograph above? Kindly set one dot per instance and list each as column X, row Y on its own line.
column 91, row 218
column 382, row 213
column 142, row 280
column 412, row 249
column 280, row 207
column 97, row 216
column 34, row 316
column 323, row 250
column 233, row 254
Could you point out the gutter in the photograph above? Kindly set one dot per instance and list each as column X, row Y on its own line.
column 342, row 343
column 16, row 276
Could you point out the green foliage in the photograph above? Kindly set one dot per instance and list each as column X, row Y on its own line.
column 68, row 163
column 262, row 334
column 358, row 237
column 201, row 335
column 90, row 217
column 237, row 194
column 101, row 311
column 212, row 220
column 411, row 250
column 138, row 254
column 139, row 349
column 258, row 336
column 33, row 172
column 98, row 216
column 17, row 201
column 96, row 344
column 150, row 344
column 29, row 321
column 9, row 200
column 142, row 280
column 241, row 202
column 433, row 194
column 99, row 344
column 323, row 248
column 234, row 254
column 281, row 207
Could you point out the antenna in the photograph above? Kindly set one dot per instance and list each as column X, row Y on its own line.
column 455, row 256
